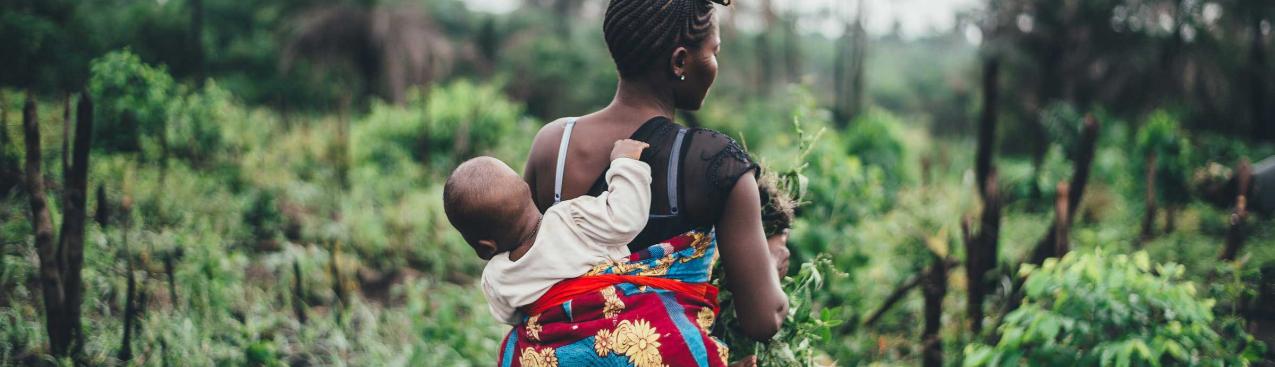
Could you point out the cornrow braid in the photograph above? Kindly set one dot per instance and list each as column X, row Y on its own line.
column 640, row 33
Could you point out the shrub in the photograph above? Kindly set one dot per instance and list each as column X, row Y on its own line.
column 1062, row 124
column 806, row 326
column 450, row 123
column 1162, row 136
column 194, row 125
column 131, row 100
column 1092, row 308
column 877, row 138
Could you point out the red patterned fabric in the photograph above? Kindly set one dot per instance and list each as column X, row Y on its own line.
column 567, row 289
column 624, row 313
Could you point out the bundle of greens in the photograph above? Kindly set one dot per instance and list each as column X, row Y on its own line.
column 804, row 327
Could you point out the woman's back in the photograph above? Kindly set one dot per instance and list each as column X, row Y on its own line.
column 693, row 170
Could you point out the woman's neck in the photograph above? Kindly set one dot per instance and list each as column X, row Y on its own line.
column 641, row 98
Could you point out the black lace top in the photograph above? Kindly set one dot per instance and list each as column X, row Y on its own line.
column 710, row 165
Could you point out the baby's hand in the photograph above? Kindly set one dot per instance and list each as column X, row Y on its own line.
column 628, row 148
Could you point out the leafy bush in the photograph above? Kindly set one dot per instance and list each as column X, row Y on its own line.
column 131, row 100
column 450, row 123
column 194, row 125
column 1092, row 308
column 1062, row 124
column 1163, row 136
column 805, row 326
column 876, row 137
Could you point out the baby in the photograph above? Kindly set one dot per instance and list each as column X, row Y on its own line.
column 528, row 252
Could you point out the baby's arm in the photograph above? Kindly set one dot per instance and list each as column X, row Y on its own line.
column 617, row 216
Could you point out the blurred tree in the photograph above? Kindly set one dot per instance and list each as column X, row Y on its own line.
column 196, row 41
column 44, row 43
column 848, row 69
column 1257, row 70
column 1133, row 56
column 390, row 48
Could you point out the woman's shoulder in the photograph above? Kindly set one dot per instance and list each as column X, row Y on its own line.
column 719, row 150
column 545, row 144
column 720, row 161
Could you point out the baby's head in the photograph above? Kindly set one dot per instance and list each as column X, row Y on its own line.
column 490, row 205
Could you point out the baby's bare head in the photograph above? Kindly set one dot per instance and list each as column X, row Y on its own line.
column 486, row 201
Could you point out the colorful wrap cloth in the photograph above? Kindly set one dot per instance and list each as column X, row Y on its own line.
column 654, row 308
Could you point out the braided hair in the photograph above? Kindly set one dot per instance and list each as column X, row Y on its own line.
column 640, row 33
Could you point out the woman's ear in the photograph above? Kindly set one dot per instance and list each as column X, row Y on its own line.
column 677, row 63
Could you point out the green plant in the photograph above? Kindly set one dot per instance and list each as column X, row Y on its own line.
column 806, row 326
column 195, row 121
column 131, row 100
column 1162, row 137
column 1094, row 308
column 450, row 123
column 876, row 137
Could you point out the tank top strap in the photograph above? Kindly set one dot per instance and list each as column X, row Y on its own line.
column 562, row 159
column 674, row 169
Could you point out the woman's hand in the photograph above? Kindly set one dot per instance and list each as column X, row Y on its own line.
column 778, row 245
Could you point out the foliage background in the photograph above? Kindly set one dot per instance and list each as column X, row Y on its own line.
column 286, row 158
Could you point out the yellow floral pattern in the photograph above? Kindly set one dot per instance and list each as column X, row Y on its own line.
column 723, row 351
column 542, row 358
column 637, row 340
column 705, row 318
column 700, row 243
column 613, row 305
column 533, row 327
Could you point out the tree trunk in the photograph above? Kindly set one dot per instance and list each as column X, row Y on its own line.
column 58, row 327
column 197, row 40
column 841, row 84
column 981, row 252
column 860, row 57
column 9, row 175
column 74, row 214
column 1235, row 236
column 298, row 293
column 934, row 289
column 170, row 260
column 792, row 47
column 765, row 53
column 130, row 313
column 66, row 135
column 1062, row 220
column 848, row 80
column 1079, row 179
column 1262, row 126
column 987, row 125
column 1148, row 219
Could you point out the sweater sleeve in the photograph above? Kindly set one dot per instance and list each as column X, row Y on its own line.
column 500, row 309
column 615, row 217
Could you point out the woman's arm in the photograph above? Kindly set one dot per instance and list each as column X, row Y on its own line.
column 760, row 303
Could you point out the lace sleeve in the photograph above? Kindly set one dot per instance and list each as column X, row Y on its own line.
column 719, row 162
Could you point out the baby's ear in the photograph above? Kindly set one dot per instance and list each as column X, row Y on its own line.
column 486, row 249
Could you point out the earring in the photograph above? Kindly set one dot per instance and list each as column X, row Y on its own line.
column 681, row 77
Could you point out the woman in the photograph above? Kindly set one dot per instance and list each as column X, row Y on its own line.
column 705, row 199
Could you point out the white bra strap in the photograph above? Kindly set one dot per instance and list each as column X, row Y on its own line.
column 562, row 160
